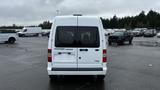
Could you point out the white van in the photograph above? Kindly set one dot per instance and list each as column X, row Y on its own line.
column 30, row 31
column 8, row 36
column 77, row 46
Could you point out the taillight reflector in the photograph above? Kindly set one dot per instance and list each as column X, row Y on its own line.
column 49, row 55
column 104, row 55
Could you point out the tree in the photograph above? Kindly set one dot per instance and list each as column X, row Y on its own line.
column 142, row 20
column 45, row 25
column 114, row 22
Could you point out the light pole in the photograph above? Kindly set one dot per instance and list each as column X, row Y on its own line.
column 57, row 12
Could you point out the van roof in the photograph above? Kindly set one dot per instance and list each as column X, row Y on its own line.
column 72, row 20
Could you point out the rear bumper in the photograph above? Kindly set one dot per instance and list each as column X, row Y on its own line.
column 80, row 71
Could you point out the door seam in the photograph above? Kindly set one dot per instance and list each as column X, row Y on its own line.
column 77, row 47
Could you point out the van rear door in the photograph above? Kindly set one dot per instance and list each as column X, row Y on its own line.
column 64, row 51
column 89, row 49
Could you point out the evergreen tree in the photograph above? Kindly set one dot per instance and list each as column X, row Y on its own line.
column 142, row 20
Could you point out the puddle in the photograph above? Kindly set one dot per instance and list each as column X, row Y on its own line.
column 147, row 43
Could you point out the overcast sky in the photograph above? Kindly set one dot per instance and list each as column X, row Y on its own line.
column 32, row 12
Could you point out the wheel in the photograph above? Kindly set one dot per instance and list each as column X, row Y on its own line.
column 120, row 43
column 130, row 42
column 110, row 43
column 100, row 77
column 53, row 77
column 11, row 40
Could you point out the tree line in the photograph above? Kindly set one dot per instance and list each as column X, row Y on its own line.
column 44, row 25
column 14, row 26
column 142, row 20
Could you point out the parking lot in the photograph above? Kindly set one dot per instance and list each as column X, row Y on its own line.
column 130, row 67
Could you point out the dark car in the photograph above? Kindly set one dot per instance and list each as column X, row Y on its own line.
column 120, row 38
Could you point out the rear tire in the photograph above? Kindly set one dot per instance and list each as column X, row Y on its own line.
column 53, row 77
column 130, row 42
column 110, row 43
column 11, row 40
column 120, row 43
column 100, row 77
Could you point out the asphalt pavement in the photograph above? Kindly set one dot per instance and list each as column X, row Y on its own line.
column 130, row 67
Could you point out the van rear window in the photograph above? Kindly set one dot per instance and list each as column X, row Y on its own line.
column 72, row 36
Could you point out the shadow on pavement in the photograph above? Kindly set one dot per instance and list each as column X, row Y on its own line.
column 76, row 83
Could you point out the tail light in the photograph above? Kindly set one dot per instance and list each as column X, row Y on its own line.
column 49, row 55
column 104, row 55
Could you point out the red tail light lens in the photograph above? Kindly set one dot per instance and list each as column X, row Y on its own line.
column 104, row 51
column 104, row 55
column 49, row 55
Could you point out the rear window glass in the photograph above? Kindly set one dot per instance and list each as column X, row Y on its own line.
column 65, row 36
column 68, row 36
column 88, row 36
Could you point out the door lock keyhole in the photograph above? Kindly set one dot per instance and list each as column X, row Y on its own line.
column 79, row 57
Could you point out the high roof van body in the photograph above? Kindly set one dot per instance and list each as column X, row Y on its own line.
column 30, row 31
column 77, row 46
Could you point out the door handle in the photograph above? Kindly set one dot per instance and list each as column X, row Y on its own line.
column 59, row 53
column 83, row 49
column 96, row 49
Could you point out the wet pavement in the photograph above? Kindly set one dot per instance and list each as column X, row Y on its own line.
column 147, row 41
column 131, row 67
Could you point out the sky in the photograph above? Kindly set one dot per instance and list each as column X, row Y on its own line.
column 33, row 12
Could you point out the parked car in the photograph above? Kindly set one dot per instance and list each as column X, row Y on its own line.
column 30, row 31
column 150, row 33
column 138, row 33
column 8, row 36
column 120, row 37
column 77, row 46
column 158, row 35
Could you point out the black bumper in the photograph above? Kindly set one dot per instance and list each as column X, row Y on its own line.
column 77, row 69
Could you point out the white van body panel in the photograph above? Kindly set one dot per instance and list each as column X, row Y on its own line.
column 71, row 59
column 91, row 58
column 64, row 60
column 5, row 36
column 65, row 21
column 30, row 31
